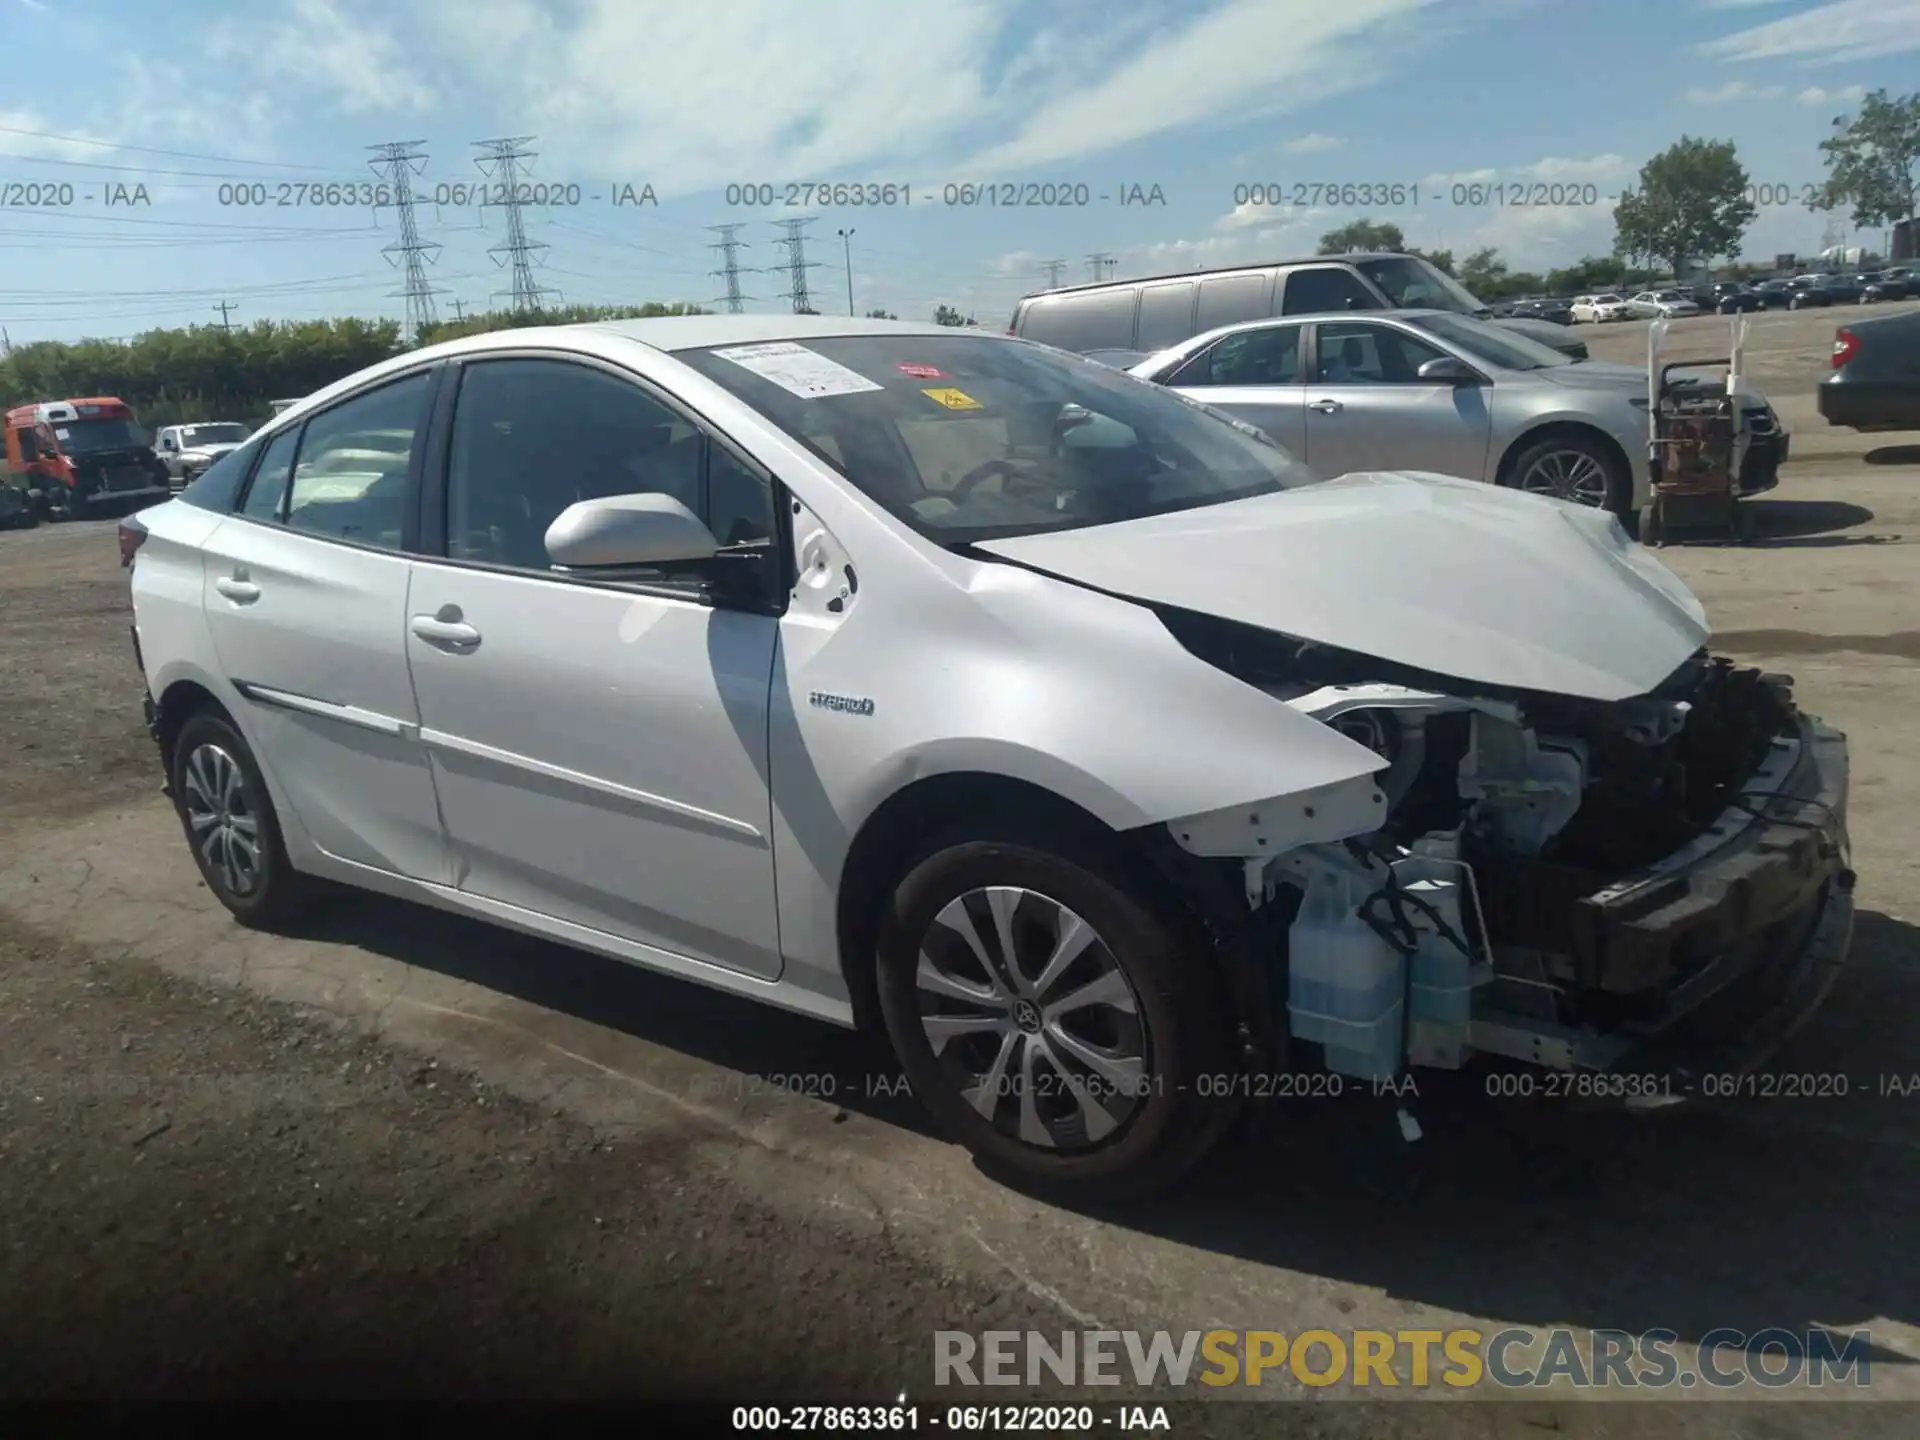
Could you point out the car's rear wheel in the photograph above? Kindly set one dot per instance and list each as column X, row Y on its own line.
column 1059, row 1025
column 231, row 826
column 1574, row 467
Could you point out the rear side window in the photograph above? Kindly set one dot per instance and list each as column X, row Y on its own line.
column 1097, row 320
column 1326, row 288
column 1229, row 299
column 219, row 484
column 1252, row 357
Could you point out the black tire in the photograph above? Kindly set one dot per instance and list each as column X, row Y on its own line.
column 278, row 893
column 1179, row 1023
column 1617, row 492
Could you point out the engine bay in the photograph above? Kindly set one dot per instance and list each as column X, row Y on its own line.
column 1515, row 823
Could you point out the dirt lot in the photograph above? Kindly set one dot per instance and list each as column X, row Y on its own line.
column 406, row 1154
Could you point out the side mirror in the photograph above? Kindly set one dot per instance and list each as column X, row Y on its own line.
column 1448, row 370
column 627, row 530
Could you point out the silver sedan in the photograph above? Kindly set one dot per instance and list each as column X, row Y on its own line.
column 1425, row 390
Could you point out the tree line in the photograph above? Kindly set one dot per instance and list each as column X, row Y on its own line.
column 1693, row 205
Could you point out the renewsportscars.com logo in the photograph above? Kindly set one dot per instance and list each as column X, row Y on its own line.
column 1515, row 1358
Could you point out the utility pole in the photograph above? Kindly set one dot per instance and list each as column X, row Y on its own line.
column 223, row 307
column 1055, row 268
column 846, row 244
column 500, row 161
column 1099, row 264
column 729, row 245
column 400, row 161
column 459, row 308
column 797, row 264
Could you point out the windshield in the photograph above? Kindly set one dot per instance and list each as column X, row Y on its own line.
column 81, row 437
column 1494, row 344
column 968, row 438
column 213, row 434
column 1415, row 284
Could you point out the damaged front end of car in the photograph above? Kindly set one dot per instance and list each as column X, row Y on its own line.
column 1658, row 883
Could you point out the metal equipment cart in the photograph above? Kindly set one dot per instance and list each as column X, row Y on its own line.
column 1696, row 443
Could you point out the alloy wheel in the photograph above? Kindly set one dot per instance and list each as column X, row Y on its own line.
column 1031, row 1016
column 1567, row 475
column 221, row 821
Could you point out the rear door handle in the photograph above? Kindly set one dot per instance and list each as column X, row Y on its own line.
column 1325, row 407
column 241, row 592
column 449, row 634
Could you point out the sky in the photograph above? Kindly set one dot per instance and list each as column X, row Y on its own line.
column 157, row 161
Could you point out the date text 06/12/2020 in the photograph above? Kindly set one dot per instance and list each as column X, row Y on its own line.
column 983, row 195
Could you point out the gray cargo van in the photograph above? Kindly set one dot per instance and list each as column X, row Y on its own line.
column 1146, row 316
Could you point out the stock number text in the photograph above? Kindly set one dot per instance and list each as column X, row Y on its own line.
column 1277, row 194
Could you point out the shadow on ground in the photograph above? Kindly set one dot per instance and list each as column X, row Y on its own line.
column 1894, row 455
column 1751, row 1213
column 1784, row 524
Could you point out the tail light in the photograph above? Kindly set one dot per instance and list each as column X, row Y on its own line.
column 132, row 536
column 1846, row 345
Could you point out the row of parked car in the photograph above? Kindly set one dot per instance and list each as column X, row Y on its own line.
column 1723, row 297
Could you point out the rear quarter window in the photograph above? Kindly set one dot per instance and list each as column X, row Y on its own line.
column 219, row 485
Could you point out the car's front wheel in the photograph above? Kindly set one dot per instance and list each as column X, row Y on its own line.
column 1574, row 467
column 1065, row 1029
column 231, row 826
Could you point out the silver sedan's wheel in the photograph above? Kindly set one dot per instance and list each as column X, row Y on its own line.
column 220, row 820
column 1032, row 1017
column 1566, row 473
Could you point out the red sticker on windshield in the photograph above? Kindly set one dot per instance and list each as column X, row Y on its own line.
column 923, row 372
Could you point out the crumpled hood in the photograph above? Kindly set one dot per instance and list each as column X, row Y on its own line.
column 1454, row 577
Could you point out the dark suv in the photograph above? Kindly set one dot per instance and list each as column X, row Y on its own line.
column 1147, row 316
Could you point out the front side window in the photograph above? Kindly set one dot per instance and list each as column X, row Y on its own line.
column 532, row 437
column 967, row 438
column 350, row 477
column 1370, row 355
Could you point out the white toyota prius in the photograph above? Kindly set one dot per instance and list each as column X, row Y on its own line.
column 1061, row 729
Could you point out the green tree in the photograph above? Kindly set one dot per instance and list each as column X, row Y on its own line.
column 1693, row 203
column 947, row 315
column 881, row 315
column 1585, row 276
column 1484, row 273
column 1873, row 161
column 1363, row 235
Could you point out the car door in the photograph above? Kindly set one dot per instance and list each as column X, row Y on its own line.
column 306, row 591
column 600, row 749
column 1367, row 408
column 1255, row 376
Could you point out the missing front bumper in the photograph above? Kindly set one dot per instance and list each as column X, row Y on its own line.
column 1732, row 943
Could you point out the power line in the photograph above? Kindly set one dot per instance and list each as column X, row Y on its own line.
column 504, row 156
column 729, row 245
column 397, row 161
column 795, row 242
column 150, row 150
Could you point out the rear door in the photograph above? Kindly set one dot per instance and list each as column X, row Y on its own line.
column 1367, row 408
column 1255, row 376
column 306, row 592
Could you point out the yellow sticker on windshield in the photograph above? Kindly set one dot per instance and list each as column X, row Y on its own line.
column 953, row 399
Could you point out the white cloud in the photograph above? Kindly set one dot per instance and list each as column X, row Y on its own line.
column 1845, row 95
column 327, row 51
column 1313, row 144
column 1733, row 90
column 49, row 140
column 1837, row 31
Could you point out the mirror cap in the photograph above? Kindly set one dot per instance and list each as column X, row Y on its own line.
column 1448, row 367
column 619, row 530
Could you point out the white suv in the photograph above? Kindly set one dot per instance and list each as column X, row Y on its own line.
column 1062, row 730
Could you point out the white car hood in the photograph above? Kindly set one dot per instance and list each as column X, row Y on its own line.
column 1453, row 577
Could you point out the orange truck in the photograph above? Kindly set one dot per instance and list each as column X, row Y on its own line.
column 80, row 458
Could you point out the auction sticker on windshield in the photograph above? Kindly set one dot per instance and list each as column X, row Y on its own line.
column 953, row 399
column 798, row 370
column 922, row 372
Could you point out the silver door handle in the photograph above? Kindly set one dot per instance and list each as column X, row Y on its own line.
column 455, row 634
column 241, row 592
column 1325, row 407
